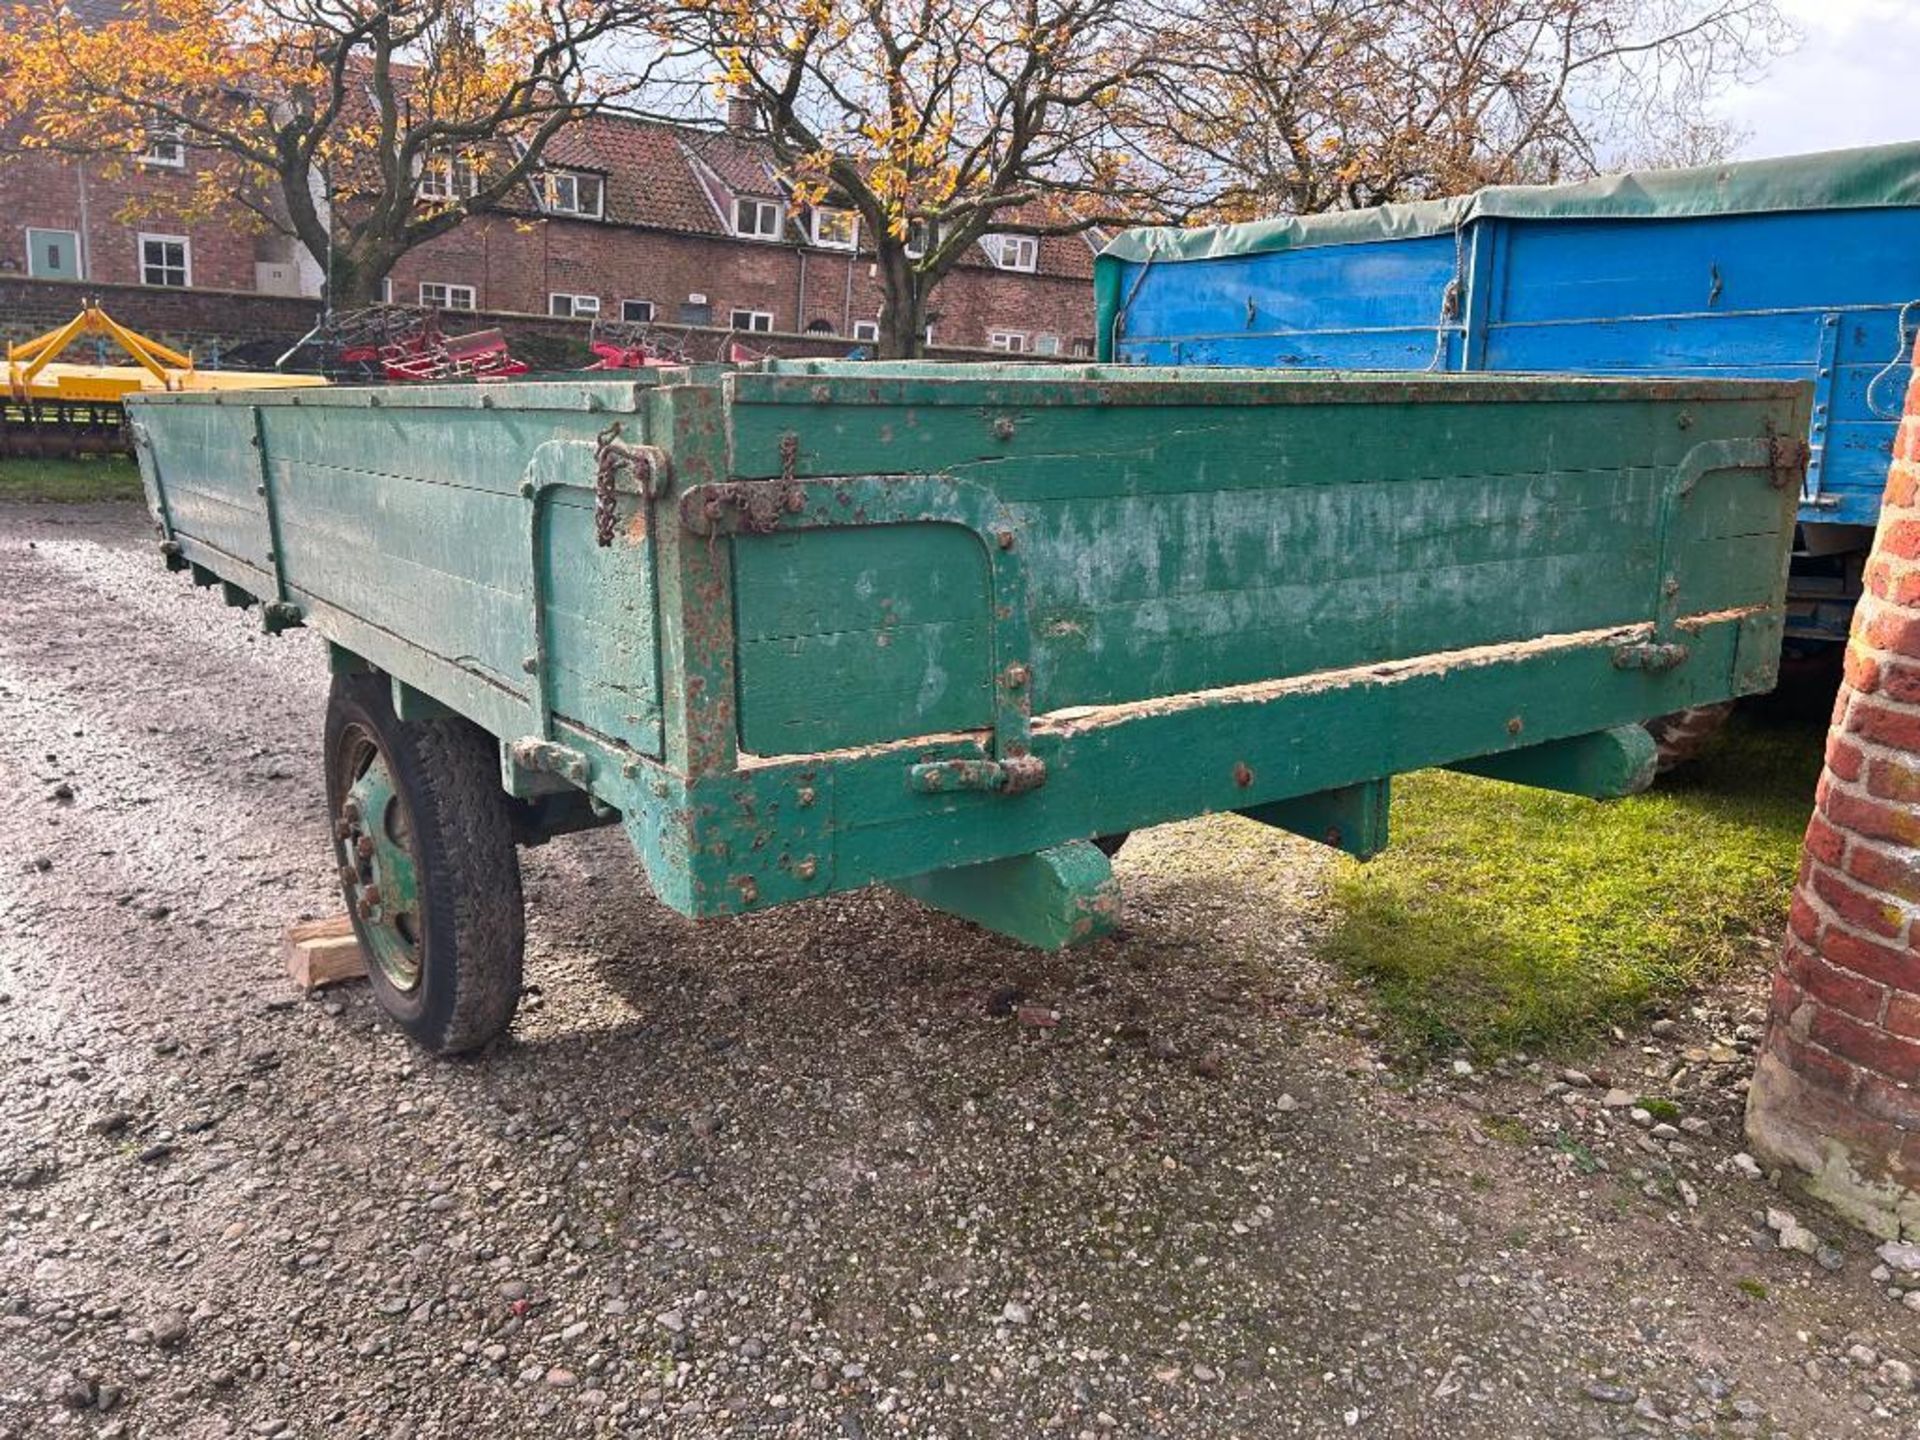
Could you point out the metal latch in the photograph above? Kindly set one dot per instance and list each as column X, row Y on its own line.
column 1649, row 657
column 1012, row 776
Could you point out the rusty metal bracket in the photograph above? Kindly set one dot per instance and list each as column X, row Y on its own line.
column 543, row 757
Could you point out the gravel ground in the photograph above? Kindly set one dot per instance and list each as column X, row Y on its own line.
column 807, row 1173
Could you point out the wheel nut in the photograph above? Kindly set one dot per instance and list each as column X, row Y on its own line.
column 364, row 847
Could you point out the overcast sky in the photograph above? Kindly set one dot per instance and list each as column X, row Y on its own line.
column 1854, row 81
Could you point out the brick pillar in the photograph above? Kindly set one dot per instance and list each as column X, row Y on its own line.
column 1836, row 1093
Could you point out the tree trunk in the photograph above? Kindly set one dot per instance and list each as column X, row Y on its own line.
column 355, row 275
column 903, row 305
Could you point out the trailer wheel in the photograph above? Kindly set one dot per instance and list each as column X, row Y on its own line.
column 1681, row 738
column 423, row 836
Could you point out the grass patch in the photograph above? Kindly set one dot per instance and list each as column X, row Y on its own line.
column 1504, row 918
column 94, row 477
column 1751, row 1287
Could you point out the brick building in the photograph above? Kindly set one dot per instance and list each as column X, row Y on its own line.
column 628, row 219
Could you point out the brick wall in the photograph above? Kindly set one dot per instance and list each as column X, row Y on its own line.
column 1836, row 1094
column 518, row 264
column 111, row 206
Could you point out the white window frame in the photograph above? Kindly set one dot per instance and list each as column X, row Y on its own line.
column 166, row 149
column 548, row 187
column 447, row 293
column 1013, row 342
column 441, row 176
column 866, row 330
column 851, row 241
column 386, row 290
column 1082, row 347
column 1014, row 252
column 918, row 233
column 578, row 307
column 760, row 210
column 79, row 260
column 646, row 319
column 186, row 260
column 753, row 319
column 1045, row 343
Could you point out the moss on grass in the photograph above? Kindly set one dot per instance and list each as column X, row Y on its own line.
column 102, row 477
column 1504, row 918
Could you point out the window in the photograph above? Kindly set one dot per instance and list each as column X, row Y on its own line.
column 1013, row 252
column 569, row 192
column 386, row 290
column 438, row 296
column 573, row 307
column 447, row 177
column 1046, row 344
column 750, row 320
column 866, row 329
column 1083, row 346
column 756, row 219
column 164, row 148
column 836, row 229
column 917, row 234
column 1013, row 341
column 53, row 254
column 166, row 260
column 637, row 312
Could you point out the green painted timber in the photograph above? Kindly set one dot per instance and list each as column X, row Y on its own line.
column 1602, row 766
column 1352, row 818
column 874, row 623
column 1063, row 895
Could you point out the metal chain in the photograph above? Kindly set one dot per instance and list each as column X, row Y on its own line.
column 606, row 463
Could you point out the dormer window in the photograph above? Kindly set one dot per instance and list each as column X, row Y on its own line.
column 165, row 148
column 757, row 219
column 571, row 192
column 836, row 229
column 1013, row 252
column 447, row 177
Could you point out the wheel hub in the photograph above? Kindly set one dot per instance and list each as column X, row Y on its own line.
column 374, row 834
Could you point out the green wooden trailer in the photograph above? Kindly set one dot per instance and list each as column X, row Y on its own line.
column 957, row 629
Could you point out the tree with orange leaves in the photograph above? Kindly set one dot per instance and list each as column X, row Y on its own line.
column 361, row 128
column 940, row 122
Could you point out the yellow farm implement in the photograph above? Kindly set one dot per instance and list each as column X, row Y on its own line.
column 55, row 407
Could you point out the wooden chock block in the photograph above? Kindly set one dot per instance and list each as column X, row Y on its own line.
column 323, row 952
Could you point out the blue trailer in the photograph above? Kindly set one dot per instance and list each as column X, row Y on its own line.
column 1802, row 268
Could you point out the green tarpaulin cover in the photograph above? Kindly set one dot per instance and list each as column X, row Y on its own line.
column 1872, row 177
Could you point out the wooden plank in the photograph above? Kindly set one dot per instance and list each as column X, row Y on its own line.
column 1065, row 895
column 1601, row 766
column 322, row 952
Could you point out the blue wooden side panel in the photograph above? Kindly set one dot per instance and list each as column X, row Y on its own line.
column 1809, row 295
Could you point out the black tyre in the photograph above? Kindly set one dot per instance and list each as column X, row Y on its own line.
column 1110, row 844
column 1683, row 736
column 423, row 836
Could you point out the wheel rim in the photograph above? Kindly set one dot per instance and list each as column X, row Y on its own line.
column 378, row 875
